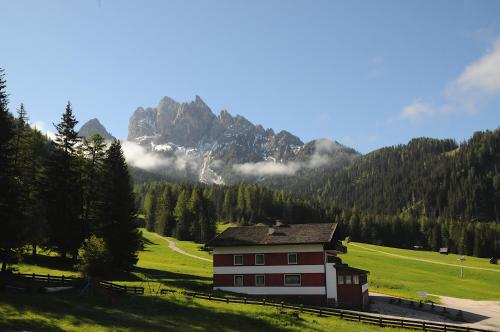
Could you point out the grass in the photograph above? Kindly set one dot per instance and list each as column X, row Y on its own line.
column 158, row 266
column 404, row 277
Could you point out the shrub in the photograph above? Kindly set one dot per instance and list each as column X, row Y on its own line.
column 94, row 258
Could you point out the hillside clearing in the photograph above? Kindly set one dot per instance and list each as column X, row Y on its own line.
column 158, row 266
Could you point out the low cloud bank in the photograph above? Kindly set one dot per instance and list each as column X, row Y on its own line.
column 322, row 155
column 137, row 156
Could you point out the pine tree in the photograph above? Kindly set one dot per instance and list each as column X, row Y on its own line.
column 117, row 215
column 150, row 203
column 64, row 194
column 11, row 237
column 181, row 214
column 92, row 152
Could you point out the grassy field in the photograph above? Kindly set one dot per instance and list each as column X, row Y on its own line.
column 158, row 266
column 397, row 272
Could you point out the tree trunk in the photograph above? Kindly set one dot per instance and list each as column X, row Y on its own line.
column 4, row 262
column 33, row 251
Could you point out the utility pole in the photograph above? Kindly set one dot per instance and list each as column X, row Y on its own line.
column 461, row 259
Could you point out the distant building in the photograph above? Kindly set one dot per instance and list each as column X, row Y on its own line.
column 297, row 263
column 443, row 251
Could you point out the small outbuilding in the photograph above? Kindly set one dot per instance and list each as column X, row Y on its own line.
column 443, row 251
column 493, row 260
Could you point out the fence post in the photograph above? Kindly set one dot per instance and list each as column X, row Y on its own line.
column 423, row 326
column 301, row 308
column 402, row 323
column 359, row 318
column 227, row 299
column 48, row 277
column 62, row 278
column 320, row 312
column 282, row 305
column 341, row 314
column 380, row 320
column 33, row 276
column 245, row 300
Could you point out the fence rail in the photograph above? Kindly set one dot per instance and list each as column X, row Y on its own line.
column 368, row 318
column 122, row 288
column 45, row 277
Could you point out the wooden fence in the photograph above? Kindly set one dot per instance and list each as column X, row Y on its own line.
column 122, row 288
column 320, row 311
column 47, row 278
column 368, row 318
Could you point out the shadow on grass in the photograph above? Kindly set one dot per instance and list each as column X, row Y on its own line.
column 177, row 280
column 50, row 262
column 147, row 242
column 119, row 313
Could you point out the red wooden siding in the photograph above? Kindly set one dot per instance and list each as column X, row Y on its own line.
column 303, row 258
column 271, row 280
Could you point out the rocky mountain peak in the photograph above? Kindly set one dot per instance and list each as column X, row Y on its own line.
column 93, row 126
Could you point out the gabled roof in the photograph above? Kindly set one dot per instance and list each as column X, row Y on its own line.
column 285, row 234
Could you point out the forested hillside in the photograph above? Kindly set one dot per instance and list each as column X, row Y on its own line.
column 56, row 194
column 425, row 177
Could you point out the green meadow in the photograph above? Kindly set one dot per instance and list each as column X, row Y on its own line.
column 405, row 273
column 158, row 267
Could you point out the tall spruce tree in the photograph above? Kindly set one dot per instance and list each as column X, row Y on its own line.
column 118, row 213
column 11, row 236
column 93, row 152
column 64, row 196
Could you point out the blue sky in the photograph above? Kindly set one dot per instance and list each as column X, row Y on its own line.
column 366, row 73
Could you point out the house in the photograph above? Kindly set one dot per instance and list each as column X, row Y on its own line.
column 297, row 263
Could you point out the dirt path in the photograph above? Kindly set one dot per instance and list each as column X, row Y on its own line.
column 478, row 314
column 422, row 259
column 171, row 245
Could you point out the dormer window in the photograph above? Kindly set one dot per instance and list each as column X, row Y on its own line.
column 238, row 259
column 259, row 259
column 292, row 258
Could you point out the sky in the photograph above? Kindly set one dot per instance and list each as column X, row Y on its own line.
column 365, row 73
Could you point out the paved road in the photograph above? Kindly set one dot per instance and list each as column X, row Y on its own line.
column 422, row 259
column 171, row 245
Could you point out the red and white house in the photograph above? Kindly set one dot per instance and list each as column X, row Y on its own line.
column 296, row 262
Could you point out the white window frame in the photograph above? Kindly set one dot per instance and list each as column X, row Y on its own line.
column 292, row 274
column 234, row 259
column 348, row 279
column 263, row 278
column 263, row 259
column 355, row 279
column 340, row 279
column 296, row 258
column 242, row 280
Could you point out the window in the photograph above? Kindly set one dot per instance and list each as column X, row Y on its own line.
column 238, row 280
column 259, row 259
column 348, row 279
column 340, row 280
column 355, row 279
column 292, row 279
column 238, row 259
column 260, row 280
column 292, row 258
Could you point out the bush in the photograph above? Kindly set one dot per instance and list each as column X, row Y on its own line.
column 94, row 258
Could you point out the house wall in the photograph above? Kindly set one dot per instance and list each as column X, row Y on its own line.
column 271, row 258
column 310, row 265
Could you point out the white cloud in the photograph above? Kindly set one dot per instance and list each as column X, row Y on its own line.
column 41, row 126
column 483, row 75
column 416, row 110
column 478, row 81
column 138, row 156
column 267, row 168
column 324, row 148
